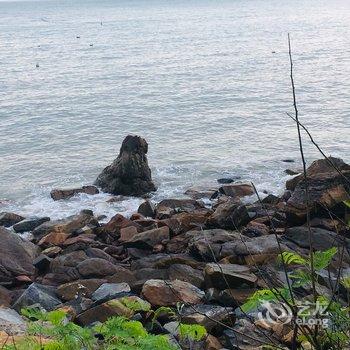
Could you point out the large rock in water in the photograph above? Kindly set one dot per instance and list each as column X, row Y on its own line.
column 129, row 174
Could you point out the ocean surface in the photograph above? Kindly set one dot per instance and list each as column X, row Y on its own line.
column 205, row 82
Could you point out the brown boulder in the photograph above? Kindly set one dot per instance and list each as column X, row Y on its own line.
column 169, row 293
column 53, row 239
column 71, row 290
column 168, row 207
column 60, row 193
column 95, row 267
column 129, row 174
column 147, row 209
column 237, row 190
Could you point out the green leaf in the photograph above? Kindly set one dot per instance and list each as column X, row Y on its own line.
column 323, row 259
column 290, row 258
column 193, row 332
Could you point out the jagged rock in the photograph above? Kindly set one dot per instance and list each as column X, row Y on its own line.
column 206, row 315
column 11, row 322
column 9, row 219
column 122, row 275
column 147, row 209
column 129, row 174
column 37, row 294
column 169, row 293
column 237, row 190
column 60, row 193
column 224, row 276
column 108, row 291
column 29, row 224
column 67, row 225
column 229, row 215
column 148, row 239
column 96, row 267
column 127, row 233
column 16, row 256
column 86, row 288
column 145, row 274
column 168, row 207
column 327, row 190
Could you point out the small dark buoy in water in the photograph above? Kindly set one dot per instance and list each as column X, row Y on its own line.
column 37, row 65
column 91, row 44
column 273, row 51
column 78, row 37
column 101, row 23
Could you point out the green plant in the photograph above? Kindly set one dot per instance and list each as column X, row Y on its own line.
column 194, row 332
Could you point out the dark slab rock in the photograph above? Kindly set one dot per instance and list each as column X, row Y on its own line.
column 42, row 263
column 9, row 219
column 186, row 273
column 38, row 294
column 60, row 193
column 108, row 291
column 16, row 256
column 129, row 174
column 199, row 192
column 29, row 224
column 225, row 276
column 145, row 274
column 118, row 222
column 5, row 297
column 96, row 267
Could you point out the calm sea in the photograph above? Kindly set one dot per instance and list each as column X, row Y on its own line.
column 205, row 82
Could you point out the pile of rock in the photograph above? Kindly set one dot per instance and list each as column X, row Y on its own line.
column 209, row 258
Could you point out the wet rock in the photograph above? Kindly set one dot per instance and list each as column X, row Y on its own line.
column 29, row 224
column 52, row 252
column 168, row 207
column 147, row 209
column 270, row 199
column 206, row 315
column 129, row 174
column 186, row 273
column 11, row 322
column 9, row 219
column 67, row 225
column 224, row 276
column 108, row 291
column 237, row 190
column 86, row 288
column 225, row 180
column 229, row 215
column 37, row 294
column 16, row 256
column 60, row 193
column 81, row 239
column 169, row 293
column 293, row 172
column 148, row 239
column 96, row 267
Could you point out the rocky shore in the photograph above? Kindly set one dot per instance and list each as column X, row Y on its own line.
column 207, row 253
